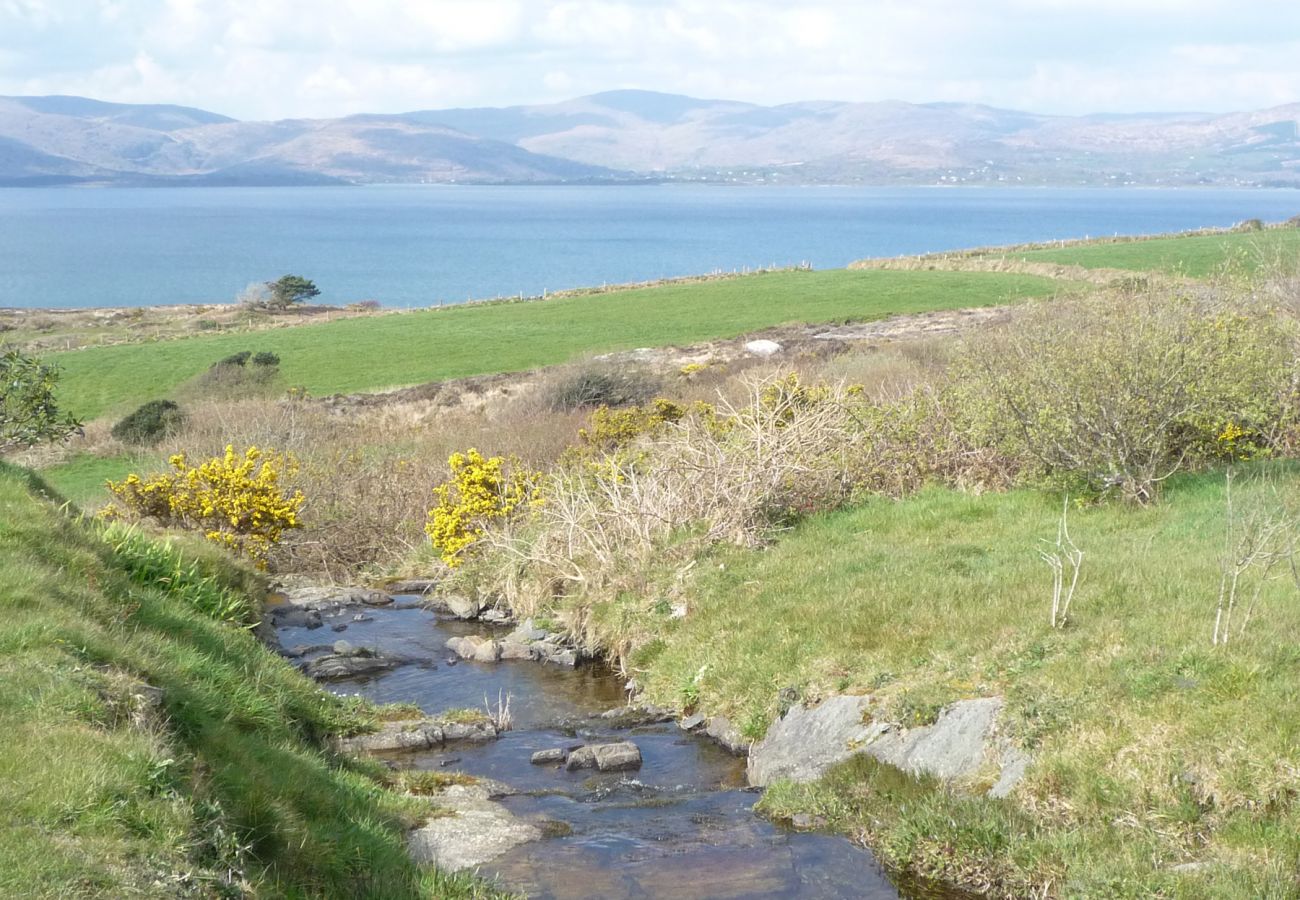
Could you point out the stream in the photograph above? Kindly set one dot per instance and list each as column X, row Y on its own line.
column 681, row 825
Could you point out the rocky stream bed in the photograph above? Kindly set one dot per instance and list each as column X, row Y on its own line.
column 584, row 796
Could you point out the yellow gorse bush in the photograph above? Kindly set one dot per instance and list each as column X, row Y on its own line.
column 480, row 490
column 236, row 500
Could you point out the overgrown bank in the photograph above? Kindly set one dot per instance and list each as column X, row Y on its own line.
column 812, row 538
column 150, row 748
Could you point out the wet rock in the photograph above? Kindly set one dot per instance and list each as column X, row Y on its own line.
column 345, row 648
column 513, row 650
column 477, row 833
column 475, row 647
column 335, row 667
column 473, row 732
column 804, row 743
column 416, row 734
column 690, row 723
column 807, row 821
column 581, row 758
column 526, row 633
column 419, row 586
column 554, row 653
column 614, row 757
column 319, row 598
column 728, row 735
column 312, row 620
column 462, row 607
column 301, row 650
column 421, row 734
column 637, row 716
column 362, row 617
column 762, row 348
column 339, row 627
column 545, row 757
column 494, row 615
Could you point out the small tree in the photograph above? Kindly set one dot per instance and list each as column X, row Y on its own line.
column 290, row 289
column 28, row 413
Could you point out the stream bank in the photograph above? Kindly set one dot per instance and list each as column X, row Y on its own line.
column 678, row 821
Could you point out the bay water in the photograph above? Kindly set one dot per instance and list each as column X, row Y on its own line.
column 421, row 245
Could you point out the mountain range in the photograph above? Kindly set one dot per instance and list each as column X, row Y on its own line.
column 628, row 136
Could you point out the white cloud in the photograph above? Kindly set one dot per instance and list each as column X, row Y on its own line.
column 271, row 58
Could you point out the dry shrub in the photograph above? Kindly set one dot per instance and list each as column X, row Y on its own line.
column 728, row 474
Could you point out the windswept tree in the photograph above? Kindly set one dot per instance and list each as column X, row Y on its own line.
column 28, row 412
column 288, row 290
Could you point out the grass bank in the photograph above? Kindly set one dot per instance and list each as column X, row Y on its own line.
column 148, row 750
column 413, row 347
column 1152, row 749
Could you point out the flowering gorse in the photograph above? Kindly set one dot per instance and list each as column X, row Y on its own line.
column 480, row 490
column 236, row 500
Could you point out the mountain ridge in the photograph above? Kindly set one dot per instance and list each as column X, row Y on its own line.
column 636, row 135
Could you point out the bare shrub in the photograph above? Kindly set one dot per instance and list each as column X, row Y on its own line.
column 592, row 386
column 1062, row 555
column 1120, row 391
column 1259, row 543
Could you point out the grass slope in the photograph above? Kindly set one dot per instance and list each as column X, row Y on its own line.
column 99, row 798
column 1151, row 747
column 1193, row 255
column 409, row 348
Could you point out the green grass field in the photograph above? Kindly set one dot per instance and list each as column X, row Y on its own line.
column 1196, row 256
column 410, row 348
column 1152, row 748
column 229, row 774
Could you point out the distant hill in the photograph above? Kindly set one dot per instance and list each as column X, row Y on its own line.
column 621, row 135
column 46, row 140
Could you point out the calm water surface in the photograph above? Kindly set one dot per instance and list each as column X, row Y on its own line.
column 425, row 245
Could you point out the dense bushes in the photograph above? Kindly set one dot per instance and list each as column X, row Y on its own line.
column 242, row 374
column 1116, row 393
column 480, row 492
column 235, row 500
column 150, row 423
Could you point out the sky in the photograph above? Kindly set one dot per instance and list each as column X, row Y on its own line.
column 263, row 59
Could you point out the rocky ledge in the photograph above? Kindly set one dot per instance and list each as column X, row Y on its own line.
column 962, row 742
column 416, row 734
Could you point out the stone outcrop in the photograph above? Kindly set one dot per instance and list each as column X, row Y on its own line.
column 805, row 742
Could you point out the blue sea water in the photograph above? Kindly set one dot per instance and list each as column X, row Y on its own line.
column 426, row 245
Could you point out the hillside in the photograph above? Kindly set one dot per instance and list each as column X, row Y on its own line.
column 150, row 750
column 71, row 140
column 625, row 134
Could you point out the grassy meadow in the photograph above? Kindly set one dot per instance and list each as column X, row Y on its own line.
column 412, row 347
column 1191, row 255
column 1151, row 747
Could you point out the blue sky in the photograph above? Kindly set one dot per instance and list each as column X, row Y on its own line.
column 280, row 58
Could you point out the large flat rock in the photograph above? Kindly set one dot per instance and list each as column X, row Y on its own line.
column 477, row 831
column 805, row 742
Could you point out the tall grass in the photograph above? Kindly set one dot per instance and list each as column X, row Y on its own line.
column 148, row 749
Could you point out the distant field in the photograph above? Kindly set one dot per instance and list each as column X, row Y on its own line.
column 1193, row 255
column 410, row 348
